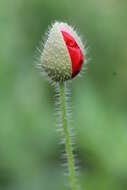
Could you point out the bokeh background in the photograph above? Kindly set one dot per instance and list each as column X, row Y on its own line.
column 29, row 144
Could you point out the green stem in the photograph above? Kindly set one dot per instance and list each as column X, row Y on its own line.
column 67, row 137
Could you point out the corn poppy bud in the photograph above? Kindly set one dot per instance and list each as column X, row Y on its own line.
column 63, row 53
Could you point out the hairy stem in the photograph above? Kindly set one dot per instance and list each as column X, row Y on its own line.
column 67, row 136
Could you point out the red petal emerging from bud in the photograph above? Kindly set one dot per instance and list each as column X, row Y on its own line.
column 76, row 55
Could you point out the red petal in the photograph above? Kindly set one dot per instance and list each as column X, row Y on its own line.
column 76, row 55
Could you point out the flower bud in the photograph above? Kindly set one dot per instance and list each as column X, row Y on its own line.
column 63, row 54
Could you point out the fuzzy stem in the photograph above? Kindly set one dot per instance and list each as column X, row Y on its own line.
column 67, row 136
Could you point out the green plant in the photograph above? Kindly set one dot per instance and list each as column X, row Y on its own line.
column 61, row 60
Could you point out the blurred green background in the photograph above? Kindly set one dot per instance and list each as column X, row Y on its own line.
column 29, row 144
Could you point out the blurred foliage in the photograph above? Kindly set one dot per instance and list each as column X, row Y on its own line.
column 29, row 144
